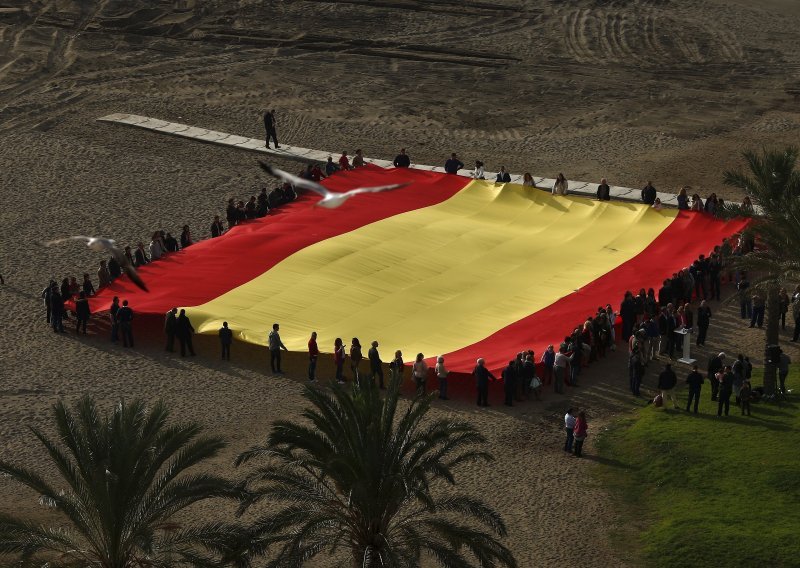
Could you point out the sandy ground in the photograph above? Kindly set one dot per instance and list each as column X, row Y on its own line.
column 632, row 90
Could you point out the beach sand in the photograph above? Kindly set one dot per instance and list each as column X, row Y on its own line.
column 630, row 90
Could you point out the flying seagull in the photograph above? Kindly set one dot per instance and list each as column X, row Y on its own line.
column 330, row 200
column 101, row 244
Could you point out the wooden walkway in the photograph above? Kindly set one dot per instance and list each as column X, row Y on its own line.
column 297, row 153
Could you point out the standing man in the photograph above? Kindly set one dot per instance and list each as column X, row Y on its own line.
column 695, row 382
column 170, row 325
column 503, row 176
column 125, row 321
column 560, row 370
column 482, row 376
column 666, row 382
column 714, row 366
column 649, row 193
column 275, row 346
column 112, row 314
column 703, row 321
column 225, row 339
column 402, row 160
column 758, row 311
column 47, row 296
column 269, row 126
column 82, row 313
column 217, row 228
column 375, row 364
column 603, row 191
column 184, row 331
column 452, row 165
column 725, row 391
column 510, row 382
column 313, row 355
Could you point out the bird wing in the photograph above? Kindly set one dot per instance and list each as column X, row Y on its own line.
column 67, row 239
column 134, row 276
column 376, row 189
column 294, row 180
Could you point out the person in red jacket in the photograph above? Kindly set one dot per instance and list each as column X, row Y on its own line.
column 313, row 355
column 579, row 432
column 344, row 162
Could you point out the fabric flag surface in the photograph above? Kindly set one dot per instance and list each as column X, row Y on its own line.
column 445, row 266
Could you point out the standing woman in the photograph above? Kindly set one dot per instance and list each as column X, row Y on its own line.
column 338, row 359
column 396, row 366
column 697, row 203
column 478, row 172
column 420, row 371
column 560, row 187
column 441, row 375
column 580, row 430
column 355, row 357
column 527, row 180
column 548, row 360
column 186, row 237
column 683, row 199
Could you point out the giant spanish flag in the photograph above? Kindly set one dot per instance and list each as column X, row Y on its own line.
column 445, row 266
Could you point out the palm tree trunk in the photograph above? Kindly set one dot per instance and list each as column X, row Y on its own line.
column 772, row 338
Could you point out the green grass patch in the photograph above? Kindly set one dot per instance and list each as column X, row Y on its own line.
column 697, row 490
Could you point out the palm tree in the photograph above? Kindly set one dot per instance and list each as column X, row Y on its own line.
column 125, row 479
column 774, row 187
column 369, row 480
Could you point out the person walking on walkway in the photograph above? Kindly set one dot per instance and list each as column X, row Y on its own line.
column 225, row 340
column 269, row 126
column 184, row 331
column 275, row 346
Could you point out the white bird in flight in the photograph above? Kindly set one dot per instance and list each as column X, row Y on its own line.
column 101, row 244
column 330, row 199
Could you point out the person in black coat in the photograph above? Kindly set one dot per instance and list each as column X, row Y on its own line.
column 269, row 126
column 714, row 365
column 170, row 328
column 184, row 331
column 703, row 321
column 666, row 382
column 82, row 313
column 217, row 228
column 672, row 325
column 225, row 339
column 482, row 376
column 665, row 294
column 725, row 391
column 649, row 193
column 171, row 243
column 56, row 309
column 695, row 382
column 231, row 214
column 140, row 257
column 46, row 297
column 402, row 160
column 125, row 322
column 510, row 382
column 603, row 191
column 628, row 313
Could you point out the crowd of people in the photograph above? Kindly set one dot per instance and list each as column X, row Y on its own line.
column 648, row 319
